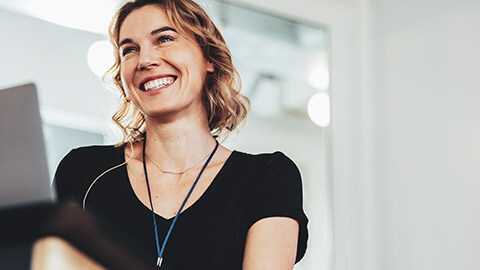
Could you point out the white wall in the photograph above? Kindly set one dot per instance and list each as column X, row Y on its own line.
column 54, row 58
column 426, row 96
column 405, row 129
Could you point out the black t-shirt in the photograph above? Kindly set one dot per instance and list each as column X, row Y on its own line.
column 211, row 233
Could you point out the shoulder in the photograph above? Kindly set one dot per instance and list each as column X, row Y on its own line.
column 89, row 160
column 96, row 155
column 269, row 173
column 92, row 151
column 269, row 163
column 87, row 155
column 80, row 166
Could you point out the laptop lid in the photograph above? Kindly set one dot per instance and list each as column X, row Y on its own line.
column 24, row 176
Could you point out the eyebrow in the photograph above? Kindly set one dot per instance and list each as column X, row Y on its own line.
column 154, row 32
column 163, row 29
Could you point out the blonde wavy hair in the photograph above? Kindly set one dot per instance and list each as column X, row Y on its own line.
column 226, row 107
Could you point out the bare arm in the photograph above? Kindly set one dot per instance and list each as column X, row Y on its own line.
column 271, row 244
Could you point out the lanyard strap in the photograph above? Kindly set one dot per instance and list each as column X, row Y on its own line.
column 160, row 251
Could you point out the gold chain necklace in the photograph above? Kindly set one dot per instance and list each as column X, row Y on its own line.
column 176, row 172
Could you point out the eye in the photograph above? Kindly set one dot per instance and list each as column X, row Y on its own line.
column 127, row 50
column 164, row 39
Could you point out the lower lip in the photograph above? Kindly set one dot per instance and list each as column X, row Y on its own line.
column 155, row 91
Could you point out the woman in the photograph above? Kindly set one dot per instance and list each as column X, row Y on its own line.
column 185, row 201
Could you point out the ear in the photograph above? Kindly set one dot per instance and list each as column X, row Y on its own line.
column 210, row 67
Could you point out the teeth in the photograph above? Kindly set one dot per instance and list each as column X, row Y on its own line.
column 158, row 83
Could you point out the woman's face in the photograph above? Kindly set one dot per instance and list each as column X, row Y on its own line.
column 162, row 71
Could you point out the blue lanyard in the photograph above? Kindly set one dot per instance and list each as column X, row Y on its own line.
column 160, row 251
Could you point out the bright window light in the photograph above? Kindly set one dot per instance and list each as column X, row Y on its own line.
column 100, row 57
column 319, row 109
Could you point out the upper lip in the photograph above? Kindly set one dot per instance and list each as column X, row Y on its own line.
column 154, row 78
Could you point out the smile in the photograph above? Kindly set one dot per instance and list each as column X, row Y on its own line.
column 157, row 83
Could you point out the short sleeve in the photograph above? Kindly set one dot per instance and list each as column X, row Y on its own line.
column 278, row 192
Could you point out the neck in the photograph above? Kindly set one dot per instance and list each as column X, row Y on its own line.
column 178, row 144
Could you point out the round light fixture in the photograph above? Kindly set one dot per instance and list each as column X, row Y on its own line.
column 100, row 57
column 319, row 109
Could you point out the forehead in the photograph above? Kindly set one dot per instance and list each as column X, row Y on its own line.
column 143, row 20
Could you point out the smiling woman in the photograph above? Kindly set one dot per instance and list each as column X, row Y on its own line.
column 226, row 107
column 160, row 66
column 184, row 200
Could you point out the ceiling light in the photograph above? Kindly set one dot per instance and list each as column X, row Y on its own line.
column 100, row 57
column 319, row 109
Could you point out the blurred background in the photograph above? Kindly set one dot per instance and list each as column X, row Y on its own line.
column 375, row 100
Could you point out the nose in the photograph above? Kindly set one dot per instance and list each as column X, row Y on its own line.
column 148, row 59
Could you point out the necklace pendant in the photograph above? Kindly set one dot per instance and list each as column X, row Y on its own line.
column 159, row 261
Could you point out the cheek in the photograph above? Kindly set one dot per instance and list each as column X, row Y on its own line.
column 126, row 75
column 197, row 67
column 127, row 68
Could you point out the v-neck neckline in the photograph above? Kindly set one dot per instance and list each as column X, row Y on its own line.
column 211, row 186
